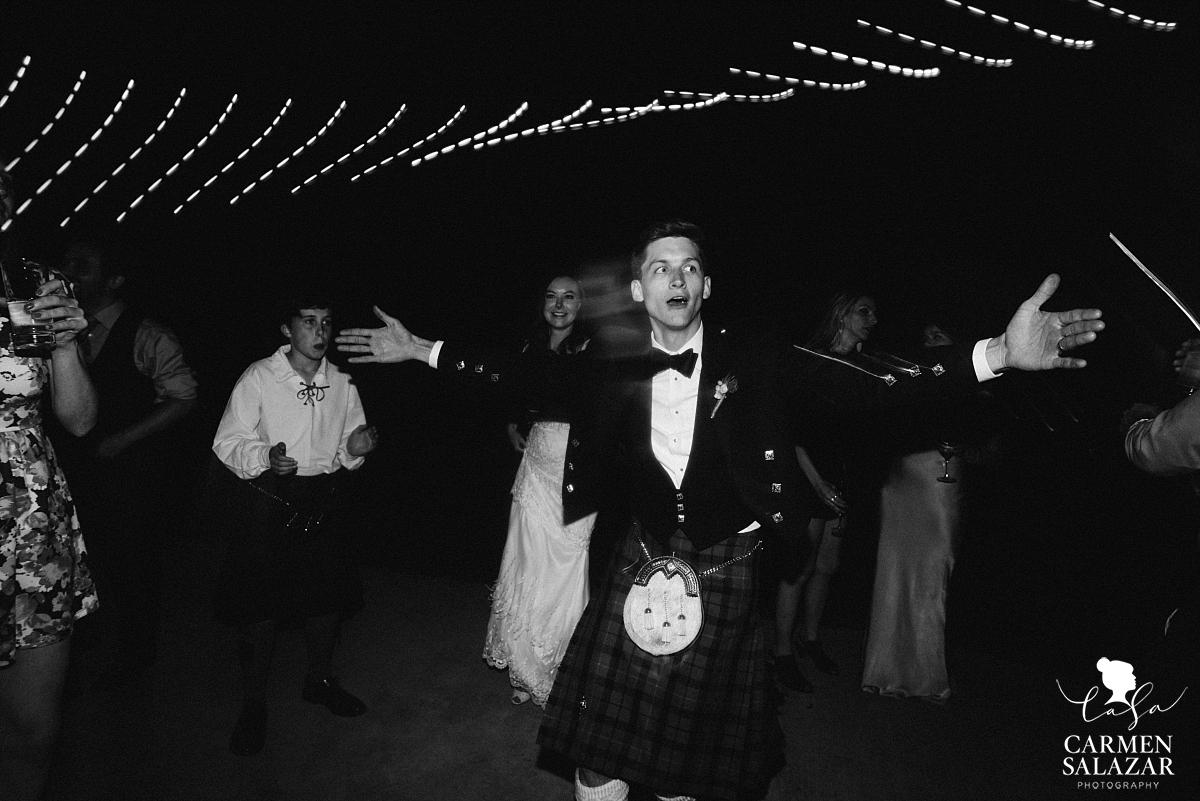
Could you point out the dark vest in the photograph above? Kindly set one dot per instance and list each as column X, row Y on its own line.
column 126, row 395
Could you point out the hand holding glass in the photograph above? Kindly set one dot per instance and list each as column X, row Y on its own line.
column 30, row 337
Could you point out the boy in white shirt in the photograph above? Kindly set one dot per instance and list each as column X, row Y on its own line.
column 292, row 424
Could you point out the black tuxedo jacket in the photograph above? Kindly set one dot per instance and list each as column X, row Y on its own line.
column 742, row 468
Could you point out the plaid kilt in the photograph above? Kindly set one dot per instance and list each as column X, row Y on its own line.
column 699, row 722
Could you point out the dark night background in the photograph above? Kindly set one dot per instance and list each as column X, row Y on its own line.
column 952, row 195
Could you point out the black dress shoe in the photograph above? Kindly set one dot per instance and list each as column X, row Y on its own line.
column 820, row 659
column 789, row 675
column 250, row 731
column 329, row 693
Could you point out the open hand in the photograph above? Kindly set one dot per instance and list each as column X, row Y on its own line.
column 1037, row 340
column 391, row 343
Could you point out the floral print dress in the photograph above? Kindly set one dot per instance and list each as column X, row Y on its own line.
column 44, row 583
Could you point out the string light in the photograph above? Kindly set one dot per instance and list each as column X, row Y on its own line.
column 245, row 152
column 12, row 86
column 187, row 156
column 632, row 114
column 414, row 146
column 835, row 87
column 137, row 152
column 78, row 152
column 744, row 98
column 1133, row 19
column 57, row 116
column 907, row 72
column 1065, row 41
column 280, row 165
column 498, row 127
column 712, row 100
column 387, row 127
column 538, row 129
column 949, row 51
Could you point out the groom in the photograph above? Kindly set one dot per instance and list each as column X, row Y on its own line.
column 692, row 439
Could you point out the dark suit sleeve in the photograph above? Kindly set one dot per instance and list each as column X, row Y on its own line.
column 804, row 377
column 519, row 377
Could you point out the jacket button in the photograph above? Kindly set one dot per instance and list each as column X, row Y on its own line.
column 570, row 488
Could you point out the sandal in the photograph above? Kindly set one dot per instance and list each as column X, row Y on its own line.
column 519, row 697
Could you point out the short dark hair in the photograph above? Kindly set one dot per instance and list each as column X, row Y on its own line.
column 113, row 256
column 306, row 297
column 662, row 230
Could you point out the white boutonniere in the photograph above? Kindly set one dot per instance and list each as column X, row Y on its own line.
column 724, row 387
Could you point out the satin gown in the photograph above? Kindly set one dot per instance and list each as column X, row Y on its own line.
column 542, row 588
column 919, row 525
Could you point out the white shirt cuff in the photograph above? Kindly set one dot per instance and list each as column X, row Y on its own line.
column 433, row 353
column 979, row 362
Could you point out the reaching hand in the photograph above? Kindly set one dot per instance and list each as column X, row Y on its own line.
column 362, row 440
column 1037, row 340
column 391, row 343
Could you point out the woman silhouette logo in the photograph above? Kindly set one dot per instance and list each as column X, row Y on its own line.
column 1118, row 677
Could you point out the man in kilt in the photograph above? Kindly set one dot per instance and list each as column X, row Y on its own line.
column 660, row 686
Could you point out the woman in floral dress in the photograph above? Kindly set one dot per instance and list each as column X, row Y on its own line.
column 44, row 583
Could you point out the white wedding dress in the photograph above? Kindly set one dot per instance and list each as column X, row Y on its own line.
column 542, row 588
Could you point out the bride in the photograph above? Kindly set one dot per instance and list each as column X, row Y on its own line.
column 542, row 588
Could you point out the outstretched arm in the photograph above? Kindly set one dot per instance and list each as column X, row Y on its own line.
column 1037, row 340
column 390, row 344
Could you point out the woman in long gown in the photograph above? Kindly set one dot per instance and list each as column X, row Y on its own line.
column 44, row 582
column 918, row 532
column 847, row 323
column 542, row 588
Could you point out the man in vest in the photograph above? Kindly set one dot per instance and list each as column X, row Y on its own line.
column 120, row 471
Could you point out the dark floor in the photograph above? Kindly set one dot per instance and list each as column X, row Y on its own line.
column 440, row 725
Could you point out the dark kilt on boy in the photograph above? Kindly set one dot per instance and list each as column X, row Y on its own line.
column 699, row 722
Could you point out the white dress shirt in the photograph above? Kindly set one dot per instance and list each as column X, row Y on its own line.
column 271, row 403
column 673, row 399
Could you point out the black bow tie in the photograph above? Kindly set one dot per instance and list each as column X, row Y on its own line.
column 683, row 363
